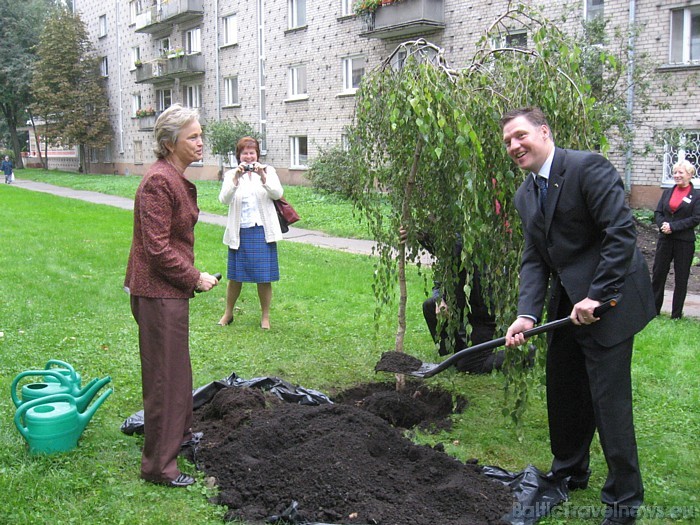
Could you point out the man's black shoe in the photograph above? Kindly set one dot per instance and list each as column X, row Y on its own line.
column 576, row 482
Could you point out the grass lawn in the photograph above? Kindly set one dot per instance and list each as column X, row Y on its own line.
column 62, row 264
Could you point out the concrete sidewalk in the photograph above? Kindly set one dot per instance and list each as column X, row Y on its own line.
column 315, row 238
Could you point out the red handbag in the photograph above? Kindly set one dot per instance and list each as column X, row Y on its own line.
column 285, row 213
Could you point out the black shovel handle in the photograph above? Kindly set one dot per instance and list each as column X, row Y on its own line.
column 495, row 343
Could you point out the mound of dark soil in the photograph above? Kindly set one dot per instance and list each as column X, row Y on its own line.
column 341, row 463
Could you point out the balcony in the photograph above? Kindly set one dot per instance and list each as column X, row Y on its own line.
column 160, row 19
column 164, row 70
column 405, row 18
column 147, row 123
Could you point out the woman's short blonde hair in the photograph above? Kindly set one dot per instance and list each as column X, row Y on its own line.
column 686, row 165
column 168, row 127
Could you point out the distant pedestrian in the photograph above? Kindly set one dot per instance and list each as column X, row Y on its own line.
column 676, row 215
column 7, row 169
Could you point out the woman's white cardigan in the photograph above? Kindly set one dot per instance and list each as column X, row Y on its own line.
column 265, row 194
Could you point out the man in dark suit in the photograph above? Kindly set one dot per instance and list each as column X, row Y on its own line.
column 580, row 243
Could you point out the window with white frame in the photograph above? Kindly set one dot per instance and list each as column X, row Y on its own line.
column 102, row 31
column 138, row 152
column 229, row 30
column 297, row 13
column 133, row 11
column 299, row 152
column 192, row 95
column 135, row 103
column 135, row 56
column 193, row 41
column 353, row 71
column 104, row 67
column 162, row 46
column 231, row 91
column 685, row 147
column 346, row 7
column 297, row 81
column 685, row 35
column 594, row 9
column 164, row 99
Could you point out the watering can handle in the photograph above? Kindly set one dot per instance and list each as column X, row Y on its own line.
column 61, row 364
column 19, row 414
column 13, row 389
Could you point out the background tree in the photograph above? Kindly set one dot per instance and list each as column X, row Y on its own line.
column 223, row 136
column 20, row 24
column 427, row 140
column 68, row 92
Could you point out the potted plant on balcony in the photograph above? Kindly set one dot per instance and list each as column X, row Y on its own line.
column 145, row 112
column 366, row 7
column 176, row 53
column 138, row 63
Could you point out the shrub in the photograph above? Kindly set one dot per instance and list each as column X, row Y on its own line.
column 331, row 171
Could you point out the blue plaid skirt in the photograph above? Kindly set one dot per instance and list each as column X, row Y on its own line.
column 255, row 261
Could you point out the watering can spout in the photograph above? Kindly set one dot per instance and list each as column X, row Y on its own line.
column 86, row 394
column 85, row 417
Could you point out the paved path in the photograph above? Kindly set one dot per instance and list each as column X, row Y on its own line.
column 315, row 238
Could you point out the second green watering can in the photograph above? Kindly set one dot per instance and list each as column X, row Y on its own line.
column 60, row 385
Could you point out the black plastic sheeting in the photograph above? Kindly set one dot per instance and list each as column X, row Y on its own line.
column 535, row 495
column 202, row 395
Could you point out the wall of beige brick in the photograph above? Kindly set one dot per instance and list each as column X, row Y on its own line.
column 323, row 42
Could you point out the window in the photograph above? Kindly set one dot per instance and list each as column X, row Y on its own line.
column 138, row 152
column 517, row 40
column 164, row 99
column 229, row 30
column 135, row 103
column 297, row 13
column 94, row 155
column 193, row 96
column 353, row 70
column 102, row 31
column 193, row 41
column 346, row 7
column 685, row 35
column 299, row 152
column 297, row 81
column 686, row 147
column 163, row 46
column 104, row 67
column 133, row 11
column 135, row 56
column 231, row 91
column 107, row 154
column 594, row 9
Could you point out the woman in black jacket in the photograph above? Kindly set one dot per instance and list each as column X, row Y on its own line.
column 676, row 215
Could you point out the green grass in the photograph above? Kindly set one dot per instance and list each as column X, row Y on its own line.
column 62, row 264
column 327, row 213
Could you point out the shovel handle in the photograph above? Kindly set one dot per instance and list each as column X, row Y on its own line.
column 495, row 343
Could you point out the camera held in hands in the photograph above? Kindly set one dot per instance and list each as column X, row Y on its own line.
column 249, row 167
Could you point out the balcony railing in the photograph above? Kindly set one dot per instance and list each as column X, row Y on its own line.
column 147, row 123
column 160, row 18
column 164, row 70
column 405, row 18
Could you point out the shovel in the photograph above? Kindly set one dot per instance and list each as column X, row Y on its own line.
column 400, row 363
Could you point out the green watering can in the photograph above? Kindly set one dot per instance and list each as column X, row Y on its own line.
column 60, row 385
column 63, row 368
column 53, row 423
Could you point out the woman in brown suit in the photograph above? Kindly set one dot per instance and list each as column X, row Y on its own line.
column 161, row 279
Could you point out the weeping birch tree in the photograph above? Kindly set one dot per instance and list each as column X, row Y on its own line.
column 426, row 139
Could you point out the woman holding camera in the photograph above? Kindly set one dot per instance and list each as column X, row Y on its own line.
column 252, row 228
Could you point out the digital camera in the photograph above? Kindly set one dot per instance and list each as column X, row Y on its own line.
column 249, row 167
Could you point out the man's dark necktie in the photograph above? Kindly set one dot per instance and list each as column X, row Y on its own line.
column 542, row 185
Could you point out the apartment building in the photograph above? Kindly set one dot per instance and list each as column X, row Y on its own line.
column 292, row 67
